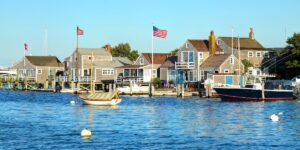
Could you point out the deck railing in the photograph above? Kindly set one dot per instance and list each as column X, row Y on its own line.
column 184, row 65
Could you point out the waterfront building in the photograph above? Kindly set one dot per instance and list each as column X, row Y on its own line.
column 250, row 49
column 38, row 69
column 198, row 60
column 168, row 71
column 140, row 70
column 96, row 64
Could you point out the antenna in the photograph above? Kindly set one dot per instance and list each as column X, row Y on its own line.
column 46, row 42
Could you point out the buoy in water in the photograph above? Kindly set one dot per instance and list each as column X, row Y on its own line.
column 72, row 102
column 86, row 133
column 274, row 117
column 280, row 113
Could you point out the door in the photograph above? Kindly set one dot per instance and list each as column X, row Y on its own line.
column 229, row 80
column 241, row 81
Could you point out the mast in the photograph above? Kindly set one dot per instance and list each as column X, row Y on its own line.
column 91, row 86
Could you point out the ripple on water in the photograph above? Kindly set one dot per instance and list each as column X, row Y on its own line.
column 37, row 120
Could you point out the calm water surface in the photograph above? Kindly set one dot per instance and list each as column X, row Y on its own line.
column 33, row 120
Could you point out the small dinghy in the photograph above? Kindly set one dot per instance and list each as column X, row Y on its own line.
column 103, row 99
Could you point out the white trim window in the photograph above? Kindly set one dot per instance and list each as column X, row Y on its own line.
column 200, row 55
column 258, row 54
column 187, row 45
column 231, row 60
column 107, row 71
column 142, row 61
column 226, row 70
column 39, row 71
column 250, row 54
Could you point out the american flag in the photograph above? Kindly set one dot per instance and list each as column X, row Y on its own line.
column 26, row 46
column 79, row 31
column 159, row 33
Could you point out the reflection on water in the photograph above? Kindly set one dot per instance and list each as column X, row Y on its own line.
column 48, row 121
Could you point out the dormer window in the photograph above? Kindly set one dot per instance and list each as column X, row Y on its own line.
column 141, row 61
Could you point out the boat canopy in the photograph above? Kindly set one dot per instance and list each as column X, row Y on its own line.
column 104, row 96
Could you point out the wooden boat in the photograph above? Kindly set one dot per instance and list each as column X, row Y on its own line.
column 103, row 99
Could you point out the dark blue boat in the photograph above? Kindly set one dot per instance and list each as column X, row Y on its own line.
column 250, row 93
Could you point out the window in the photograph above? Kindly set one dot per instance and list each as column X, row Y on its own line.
column 257, row 72
column 266, row 54
column 200, row 55
column 154, row 73
column 218, row 42
column 226, row 70
column 106, row 71
column 258, row 54
column 250, row 54
column 250, row 72
column 140, row 72
column 186, row 45
column 141, row 61
column 231, row 60
column 86, row 73
column 126, row 73
column 39, row 71
column 187, row 56
column 191, row 56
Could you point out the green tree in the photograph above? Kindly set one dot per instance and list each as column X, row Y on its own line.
column 247, row 64
column 293, row 49
column 124, row 50
column 174, row 52
column 290, row 57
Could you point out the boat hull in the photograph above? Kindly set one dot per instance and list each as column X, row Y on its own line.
column 111, row 102
column 247, row 94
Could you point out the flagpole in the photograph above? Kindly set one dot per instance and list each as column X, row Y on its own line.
column 151, row 81
column 77, row 68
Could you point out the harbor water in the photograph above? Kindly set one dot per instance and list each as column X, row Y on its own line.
column 38, row 120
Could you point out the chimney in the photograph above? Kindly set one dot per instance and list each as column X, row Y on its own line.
column 251, row 34
column 212, row 43
column 108, row 48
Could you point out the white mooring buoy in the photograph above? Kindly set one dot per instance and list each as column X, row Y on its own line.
column 274, row 117
column 72, row 102
column 86, row 133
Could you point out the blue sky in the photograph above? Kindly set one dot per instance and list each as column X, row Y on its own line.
column 117, row 21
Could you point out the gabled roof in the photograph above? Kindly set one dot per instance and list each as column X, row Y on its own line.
column 116, row 62
column 47, row 61
column 245, row 43
column 158, row 58
column 131, row 66
column 202, row 45
column 123, row 60
column 170, row 62
column 214, row 61
column 95, row 51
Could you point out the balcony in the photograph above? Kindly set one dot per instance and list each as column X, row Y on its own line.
column 184, row 65
column 121, row 79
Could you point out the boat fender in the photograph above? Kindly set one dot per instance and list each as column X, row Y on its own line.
column 86, row 133
column 274, row 118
